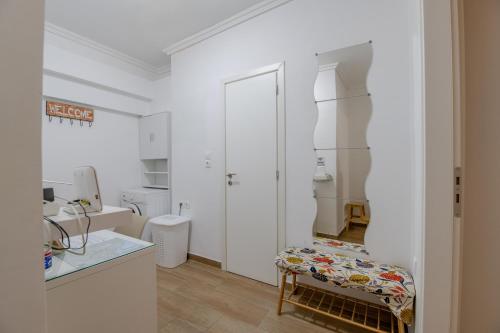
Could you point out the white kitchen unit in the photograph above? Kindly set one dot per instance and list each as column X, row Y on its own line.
column 154, row 136
column 154, row 131
column 112, row 288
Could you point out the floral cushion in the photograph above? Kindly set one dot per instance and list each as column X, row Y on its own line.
column 337, row 244
column 392, row 284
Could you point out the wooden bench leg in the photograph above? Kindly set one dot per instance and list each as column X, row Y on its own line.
column 294, row 283
column 282, row 292
column 401, row 326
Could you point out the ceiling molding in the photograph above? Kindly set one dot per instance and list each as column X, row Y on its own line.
column 152, row 71
column 163, row 71
column 226, row 24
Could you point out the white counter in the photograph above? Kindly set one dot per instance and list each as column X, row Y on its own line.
column 112, row 288
column 110, row 217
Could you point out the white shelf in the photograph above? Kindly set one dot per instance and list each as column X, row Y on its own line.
column 157, row 186
column 155, row 173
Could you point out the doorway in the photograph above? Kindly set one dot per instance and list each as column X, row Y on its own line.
column 255, row 173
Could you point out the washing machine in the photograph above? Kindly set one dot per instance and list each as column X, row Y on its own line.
column 147, row 202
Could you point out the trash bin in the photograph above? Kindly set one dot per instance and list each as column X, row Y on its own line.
column 170, row 234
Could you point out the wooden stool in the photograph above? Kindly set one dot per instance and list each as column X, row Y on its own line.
column 352, row 217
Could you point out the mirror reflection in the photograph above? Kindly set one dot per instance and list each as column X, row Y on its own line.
column 340, row 142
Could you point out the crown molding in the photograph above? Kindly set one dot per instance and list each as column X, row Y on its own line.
column 226, row 24
column 163, row 71
column 152, row 72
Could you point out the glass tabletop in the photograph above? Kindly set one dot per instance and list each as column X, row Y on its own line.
column 102, row 246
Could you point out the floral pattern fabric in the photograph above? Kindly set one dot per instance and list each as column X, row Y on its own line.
column 392, row 284
column 337, row 244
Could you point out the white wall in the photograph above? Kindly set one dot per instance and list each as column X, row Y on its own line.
column 22, row 287
column 111, row 145
column 82, row 71
column 294, row 33
column 117, row 91
column 162, row 95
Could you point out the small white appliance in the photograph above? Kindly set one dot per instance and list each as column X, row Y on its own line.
column 147, row 202
column 86, row 188
column 87, row 197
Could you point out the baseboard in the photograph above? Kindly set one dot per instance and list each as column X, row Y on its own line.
column 204, row 260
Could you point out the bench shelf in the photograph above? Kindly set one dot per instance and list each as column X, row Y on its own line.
column 370, row 316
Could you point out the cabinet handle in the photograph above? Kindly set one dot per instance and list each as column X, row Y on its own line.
column 151, row 137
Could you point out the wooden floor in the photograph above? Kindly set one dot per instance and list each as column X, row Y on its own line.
column 356, row 234
column 195, row 297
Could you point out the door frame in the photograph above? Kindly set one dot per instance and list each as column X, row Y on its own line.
column 279, row 68
column 435, row 259
column 458, row 44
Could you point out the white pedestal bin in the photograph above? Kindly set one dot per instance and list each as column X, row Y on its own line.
column 170, row 234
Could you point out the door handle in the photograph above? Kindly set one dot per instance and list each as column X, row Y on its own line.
column 230, row 176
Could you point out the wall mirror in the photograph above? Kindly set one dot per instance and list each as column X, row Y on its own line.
column 343, row 155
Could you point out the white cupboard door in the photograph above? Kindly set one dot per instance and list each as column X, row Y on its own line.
column 153, row 132
column 251, row 187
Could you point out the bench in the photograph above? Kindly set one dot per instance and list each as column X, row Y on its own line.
column 391, row 284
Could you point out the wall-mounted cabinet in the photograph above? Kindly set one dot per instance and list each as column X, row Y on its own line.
column 154, row 136
column 154, row 146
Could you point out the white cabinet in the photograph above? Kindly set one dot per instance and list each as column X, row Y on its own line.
column 154, row 136
column 112, row 288
column 154, row 150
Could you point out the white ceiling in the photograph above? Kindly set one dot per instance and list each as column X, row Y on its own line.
column 141, row 28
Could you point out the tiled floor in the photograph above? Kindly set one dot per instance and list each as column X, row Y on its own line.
column 195, row 297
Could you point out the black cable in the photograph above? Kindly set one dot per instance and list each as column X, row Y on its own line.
column 61, row 230
column 63, row 233
column 138, row 209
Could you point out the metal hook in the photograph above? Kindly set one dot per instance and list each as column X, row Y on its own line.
column 81, row 123
column 90, row 124
column 61, row 120
column 50, row 119
column 71, row 121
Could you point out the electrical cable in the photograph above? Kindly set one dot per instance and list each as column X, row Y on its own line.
column 63, row 233
column 136, row 206
column 80, row 230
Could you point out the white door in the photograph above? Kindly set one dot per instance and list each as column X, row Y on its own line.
column 251, row 177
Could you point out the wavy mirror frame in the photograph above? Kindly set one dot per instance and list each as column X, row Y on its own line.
column 344, row 109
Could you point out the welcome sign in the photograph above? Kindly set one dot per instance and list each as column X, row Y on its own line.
column 70, row 111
